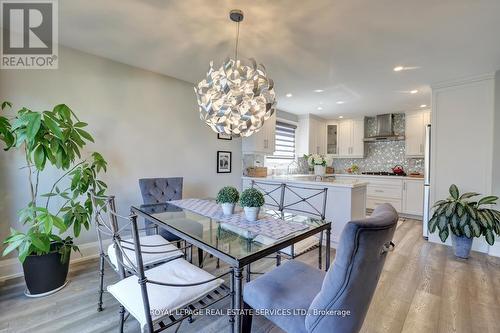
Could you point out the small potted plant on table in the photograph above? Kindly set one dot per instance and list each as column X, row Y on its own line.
column 318, row 162
column 251, row 200
column 466, row 218
column 227, row 197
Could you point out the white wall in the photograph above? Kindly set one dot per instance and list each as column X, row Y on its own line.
column 144, row 124
column 463, row 130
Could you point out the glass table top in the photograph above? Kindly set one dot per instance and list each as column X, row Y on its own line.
column 233, row 241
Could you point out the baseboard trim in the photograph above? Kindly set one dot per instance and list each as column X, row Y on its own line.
column 12, row 268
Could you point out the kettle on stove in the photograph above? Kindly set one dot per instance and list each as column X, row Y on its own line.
column 398, row 170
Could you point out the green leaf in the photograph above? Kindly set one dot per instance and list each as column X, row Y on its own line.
column 53, row 126
column 64, row 111
column 489, row 200
column 77, row 227
column 454, row 191
column 5, row 104
column 439, row 203
column 467, row 231
column 24, row 250
column 85, row 134
column 443, row 234
column 41, row 243
column 39, row 157
column 442, row 222
column 476, row 230
column 490, row 238
column 455, row 221
column 80, row 124
column 450, row 209
column 468, row 195
column 35, row 120
column 464, row 219
column 471, row 211
column 14, row 243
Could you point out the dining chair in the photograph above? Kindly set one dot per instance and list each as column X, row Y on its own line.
column 162, row 190
column 335, row 301
column 155, row 248
column 161, row 296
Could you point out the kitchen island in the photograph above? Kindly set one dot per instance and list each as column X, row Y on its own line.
column 345, row 199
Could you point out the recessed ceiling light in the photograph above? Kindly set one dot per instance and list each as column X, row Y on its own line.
column 340, row 102
column 341, row 117
column 423, row 105
column 289, row 95
column 398, row 68
column 413, row 91
column 319, row 90
column 320, row 108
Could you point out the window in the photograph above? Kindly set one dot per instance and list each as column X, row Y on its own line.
column 285, row 143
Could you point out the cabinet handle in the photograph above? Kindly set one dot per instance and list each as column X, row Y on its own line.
column 379, row 191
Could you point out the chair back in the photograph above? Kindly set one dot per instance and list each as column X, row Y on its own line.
column 273, row 194
column 350, row 283
column 310, row 201
column 160, row 190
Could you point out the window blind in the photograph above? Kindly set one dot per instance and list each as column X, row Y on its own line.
column 285, row 142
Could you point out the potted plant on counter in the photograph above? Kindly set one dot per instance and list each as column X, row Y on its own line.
column 251, row 200
column 466, row 218
column 318, row 162
column 53, row 138
column 227, row 197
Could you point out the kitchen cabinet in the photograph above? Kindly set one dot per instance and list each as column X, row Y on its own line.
column 311, row 135
column 405, row 194
column 350, row 138
column 262, row 142
column 331, row 139
column 415, row 123
column 413, row 196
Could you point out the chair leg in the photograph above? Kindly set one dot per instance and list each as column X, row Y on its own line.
column 200, row 258
column 246, row 325
column 320, row 249
column 278, row 259
column 122, row 319
column 249, row 273
column 101, row 282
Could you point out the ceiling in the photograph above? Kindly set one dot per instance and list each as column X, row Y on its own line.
column 348, row 48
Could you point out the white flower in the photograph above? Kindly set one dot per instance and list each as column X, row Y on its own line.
column 316, row 159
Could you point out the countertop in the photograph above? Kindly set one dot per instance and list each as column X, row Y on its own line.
column 309, row 179
column 374, row 176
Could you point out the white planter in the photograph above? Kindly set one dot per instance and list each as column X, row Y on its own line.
column 251, row 213
column 227, row 208
column 319, row 170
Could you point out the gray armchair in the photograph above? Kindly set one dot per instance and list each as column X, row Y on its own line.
column 349, row 285
column 161, row 190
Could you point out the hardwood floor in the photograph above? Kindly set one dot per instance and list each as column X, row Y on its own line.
column 423, row 288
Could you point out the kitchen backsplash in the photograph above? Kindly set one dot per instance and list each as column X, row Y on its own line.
column 382, row 156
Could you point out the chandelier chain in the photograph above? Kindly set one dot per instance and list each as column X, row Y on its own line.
column 237, row 38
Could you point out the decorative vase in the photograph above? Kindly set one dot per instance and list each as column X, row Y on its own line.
column 319, row 170
column 251, row 213
column 461, row 246
column 228, row 208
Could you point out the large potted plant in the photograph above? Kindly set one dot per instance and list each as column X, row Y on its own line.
column 251, row 200
column 466, row 218
column 227, row 197
column 54, row 138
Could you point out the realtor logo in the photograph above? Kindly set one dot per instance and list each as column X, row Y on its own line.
column 29, row 34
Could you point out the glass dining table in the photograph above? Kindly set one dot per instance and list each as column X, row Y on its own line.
column 233, row 246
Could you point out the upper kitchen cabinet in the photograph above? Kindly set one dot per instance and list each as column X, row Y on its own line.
column 311, row 135
column 262, row 142
column 332, row 138
column 415, row 124
column 350, row 137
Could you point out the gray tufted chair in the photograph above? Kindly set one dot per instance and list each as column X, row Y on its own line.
column 161, row 190
column 348, row 285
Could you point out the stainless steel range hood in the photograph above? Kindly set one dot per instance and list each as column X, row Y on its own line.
column 385, row 129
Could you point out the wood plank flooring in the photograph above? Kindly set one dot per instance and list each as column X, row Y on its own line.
column 423, row 288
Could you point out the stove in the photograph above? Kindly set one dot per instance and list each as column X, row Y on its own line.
column 382, row 173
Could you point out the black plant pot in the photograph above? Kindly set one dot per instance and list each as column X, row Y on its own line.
column 45, row 273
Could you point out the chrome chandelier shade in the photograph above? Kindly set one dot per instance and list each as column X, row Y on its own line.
column 237, row 98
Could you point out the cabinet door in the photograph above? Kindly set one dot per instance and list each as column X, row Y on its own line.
column 332, row 139
column 269, row 135
column 414, row 134
column 344, row 138
column 357, row 136
column 321, row 137
column 413, row 197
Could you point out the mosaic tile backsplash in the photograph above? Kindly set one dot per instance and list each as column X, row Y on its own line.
column 382, row 156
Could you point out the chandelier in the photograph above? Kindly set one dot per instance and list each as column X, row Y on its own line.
column 237, row 97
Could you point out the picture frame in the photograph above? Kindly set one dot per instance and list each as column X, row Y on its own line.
column 224, row 161
column 224, row 136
